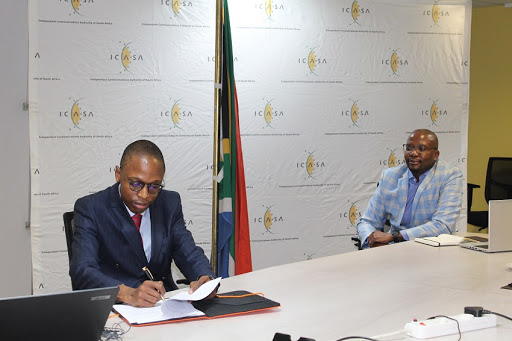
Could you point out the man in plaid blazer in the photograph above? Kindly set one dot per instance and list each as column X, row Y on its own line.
column 422, row 198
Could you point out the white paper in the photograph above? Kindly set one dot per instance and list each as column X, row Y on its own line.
column 175, row 307
column 202, row 292
column 160, row 312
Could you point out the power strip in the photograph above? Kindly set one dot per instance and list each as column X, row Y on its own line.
column 440, row 326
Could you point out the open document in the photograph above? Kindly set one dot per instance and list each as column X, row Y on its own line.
column 184, row 307
column 176, row 307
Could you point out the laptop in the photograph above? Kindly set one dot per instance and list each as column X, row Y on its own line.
column 500, row 229
column 77, row 315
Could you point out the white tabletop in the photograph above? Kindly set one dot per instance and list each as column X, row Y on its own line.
column 364, row 293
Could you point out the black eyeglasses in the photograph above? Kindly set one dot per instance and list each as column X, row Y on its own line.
column 137, row 186
column 408, row 148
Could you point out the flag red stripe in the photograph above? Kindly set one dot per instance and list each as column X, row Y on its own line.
column 243, row 261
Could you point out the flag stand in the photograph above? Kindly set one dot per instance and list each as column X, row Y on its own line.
column 216, row 115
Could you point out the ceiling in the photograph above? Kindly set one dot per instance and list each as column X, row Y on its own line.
column 487, row 3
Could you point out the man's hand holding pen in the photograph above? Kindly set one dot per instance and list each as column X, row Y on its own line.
column 146, row 295
column 149, row 275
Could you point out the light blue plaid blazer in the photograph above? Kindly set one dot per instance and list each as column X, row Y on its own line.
column 435, row 208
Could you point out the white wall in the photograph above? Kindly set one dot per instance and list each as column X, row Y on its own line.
column 15, row 258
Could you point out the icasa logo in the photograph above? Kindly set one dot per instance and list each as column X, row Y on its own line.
column 354, row 113
column 436, row 13
column 176, row 114
column 394, row 62
column 126, row 57
column 176, row 5
column 434, row 113
column 355, row 11
column 269, row 114
column 76, row 5
column 269, row 7
column 391, row 160
column 313, row 61
column 311, row 165
column 353, row 214
column 268, row 219
column 76, row 114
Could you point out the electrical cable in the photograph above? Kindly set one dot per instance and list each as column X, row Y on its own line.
column 479, row 311
column 115, row 332
column 497, row 314
column 449, row 318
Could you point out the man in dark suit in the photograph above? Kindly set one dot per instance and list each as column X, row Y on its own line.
column 131, row 225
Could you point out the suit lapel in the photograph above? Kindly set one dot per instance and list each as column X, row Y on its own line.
column 403, row 183
column 125, row 225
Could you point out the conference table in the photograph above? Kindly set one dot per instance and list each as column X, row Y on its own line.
column 365, row 293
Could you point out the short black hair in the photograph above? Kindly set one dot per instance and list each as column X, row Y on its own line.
column 142, row 148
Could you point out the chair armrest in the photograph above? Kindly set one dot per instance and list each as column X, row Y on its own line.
column 470, row 194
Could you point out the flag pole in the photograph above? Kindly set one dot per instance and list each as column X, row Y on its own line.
column 216, row 115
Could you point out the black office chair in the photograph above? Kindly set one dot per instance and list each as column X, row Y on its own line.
column 69, row 229
column 357, row 242
column 498, row 186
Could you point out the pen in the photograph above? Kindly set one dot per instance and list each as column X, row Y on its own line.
column 149, row 275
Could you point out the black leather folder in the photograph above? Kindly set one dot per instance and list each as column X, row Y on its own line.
column 234, row 302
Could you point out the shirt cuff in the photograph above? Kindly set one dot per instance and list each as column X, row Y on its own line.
column 404, row 235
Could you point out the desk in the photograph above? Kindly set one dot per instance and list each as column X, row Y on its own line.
column 363, row 293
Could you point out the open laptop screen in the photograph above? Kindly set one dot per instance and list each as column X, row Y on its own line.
column 500, row 231
column 77, row 315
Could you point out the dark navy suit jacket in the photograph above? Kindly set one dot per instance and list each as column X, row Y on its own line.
column 107, row 250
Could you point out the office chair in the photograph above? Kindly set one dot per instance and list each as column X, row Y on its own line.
column 69, row 229
column 498, row 186
column 357, row 242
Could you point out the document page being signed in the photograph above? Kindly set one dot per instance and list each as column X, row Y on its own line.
column 176, row 307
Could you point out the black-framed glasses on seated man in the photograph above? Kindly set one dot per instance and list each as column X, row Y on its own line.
column 408, row 148
column 137, row 186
